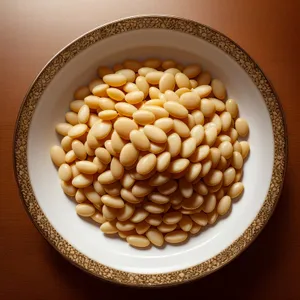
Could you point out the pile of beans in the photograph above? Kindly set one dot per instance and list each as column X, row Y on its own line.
column 150, row 151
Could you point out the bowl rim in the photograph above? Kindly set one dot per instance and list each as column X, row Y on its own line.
column 78, row 45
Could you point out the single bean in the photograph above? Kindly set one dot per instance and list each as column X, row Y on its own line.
column 106, row 177
column 159, row 179
column 186, row 223
column 229, row 176
column 235, row 190
column 218, row 89
column 63, row 128
column 92, row 195
column 85, row 210
column 178, row 165
column 207, row 107
column 193, row 171
column 190, row 100
column 224, row 205
column 245, row 147
column 132, row 65
column 172, row 70
column 57, row 155
column 109, row 227
column 155, row 134
column 242, row 127
column 176, row 110
column 86, row 167
column 158, row 111
column 68, row 188
column 172, row 217
column 142, row 85
column 142, row 227
column 185, row 187
column 204, row 78
column 232, row 107
column 82, row 180
column 155, row 237
column 192, row 71
column 175, row 237
column 138, row 241
column 193, row 202
column 203, row 90
column 128, row 73
column 200, row 218
column 102, row 71
column 181, row 128
column 81, row 93
column 116, row 168
column 134, row 97
column 182, row 80
column 209, row 204
column 167, row 82
column 163, row 161
column 237, row 160
column 188, row 147
column 141, row 189
column 114, row 202
column 143, row 117
column 115, row 80
column 195, row 228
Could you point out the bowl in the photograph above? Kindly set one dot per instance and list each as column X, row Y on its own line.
column 81, row 242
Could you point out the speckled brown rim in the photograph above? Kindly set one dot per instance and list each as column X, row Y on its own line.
column 53, row 67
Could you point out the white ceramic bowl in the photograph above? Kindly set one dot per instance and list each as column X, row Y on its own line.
column 82, row 242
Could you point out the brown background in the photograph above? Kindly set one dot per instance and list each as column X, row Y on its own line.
column 32, row 31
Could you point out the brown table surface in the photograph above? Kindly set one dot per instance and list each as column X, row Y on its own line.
column 32, row 31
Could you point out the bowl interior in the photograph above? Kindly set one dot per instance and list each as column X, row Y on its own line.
column 85, row 236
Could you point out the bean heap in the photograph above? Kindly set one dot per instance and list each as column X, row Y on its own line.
column 150, row 151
